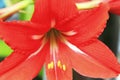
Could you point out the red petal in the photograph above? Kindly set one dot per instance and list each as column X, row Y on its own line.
column 87, row 25
column 95, row 61
column 19, row 36
column 42, row 12
column 28, row 69
column 81, row 0
column 115, row 6
column 13, row 60
column 59, row 10
column 104, row 55
column 63, row 9
column 22, row 35
column 61, row 72
column 16, row 58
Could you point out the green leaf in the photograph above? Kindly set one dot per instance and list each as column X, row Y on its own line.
column 5, row 50
column 26, row 13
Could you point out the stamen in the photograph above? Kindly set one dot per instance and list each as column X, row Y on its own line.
column 64, row 67
column 59, row 64
column 53, row 43
column 53, row 35
column 51, row 65
column 88, row 4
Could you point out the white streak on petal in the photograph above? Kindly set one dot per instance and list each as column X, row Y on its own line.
column 39, row 49
column 69, row 33
column 36, row 52
column 74, row 48
column 37, row 37
column 53, row 23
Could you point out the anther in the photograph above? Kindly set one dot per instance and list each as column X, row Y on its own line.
column 59, row 64
column 64, row 67
column 51, row 65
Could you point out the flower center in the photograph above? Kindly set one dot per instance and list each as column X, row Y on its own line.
column 53, row 33
column 54, row 36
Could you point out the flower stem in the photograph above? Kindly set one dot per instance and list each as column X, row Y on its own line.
column 88, row 4
column 6, row 12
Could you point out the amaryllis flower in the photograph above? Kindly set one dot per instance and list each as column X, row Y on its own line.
column 61, row 37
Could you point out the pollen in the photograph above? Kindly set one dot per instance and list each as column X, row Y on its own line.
column 64, row 67
column 51, row 65
column 59, row 64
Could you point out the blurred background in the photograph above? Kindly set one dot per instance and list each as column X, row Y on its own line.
column 110, row 36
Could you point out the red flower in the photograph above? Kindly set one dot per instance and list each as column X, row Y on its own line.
column 61, row 37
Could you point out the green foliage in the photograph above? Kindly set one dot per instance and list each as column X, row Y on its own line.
column 26, row 13
column 10, row 2
column 5, row 50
